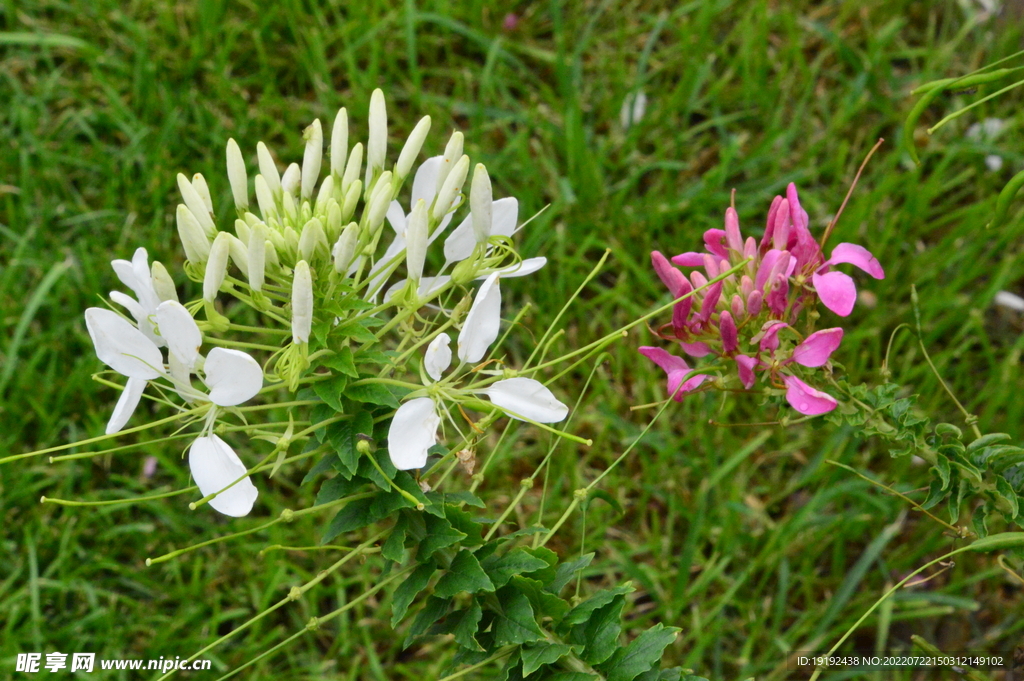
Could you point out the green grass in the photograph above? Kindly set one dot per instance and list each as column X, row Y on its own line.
column 742, row 536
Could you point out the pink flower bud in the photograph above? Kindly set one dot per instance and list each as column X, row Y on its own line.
column 727, row 329
column 733, row 238
column 711, row 266
column 698, row 279
column 746, row 285
column 769, row 229
column 780, row 234
column 754, row 302
column 738, row 309
column 713, row 241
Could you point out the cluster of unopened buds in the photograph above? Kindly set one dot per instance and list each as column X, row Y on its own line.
column 307, row 251
column 745, row 307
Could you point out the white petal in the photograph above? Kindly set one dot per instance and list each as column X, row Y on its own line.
column 424, row 185
column 413, row 431
column 525, row 398
column 428, row 286
column 480, row 328
column 124, row 271
column 460, row 243
column 438, row 356
column 521, row 269
column 121, row 346
column 504, row 214
column 233, row 376
column 396, row 217
column 214, row 467
column 181, row 378
column 180, row 331
column 126, row 404
column 145, row 323
column 378, row 273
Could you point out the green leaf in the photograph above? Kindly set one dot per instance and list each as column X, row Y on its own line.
column 331, row 390
column 320, row 413
column 464, row 523
column 544, row 602
column 325, row 464
column 599, row 635
column 465, row 626
column 357, row 331
column 608, row 498
column 1006, row 492
column 363, row 512
column 571, row 676
column 516, row 562
column 942, row 468
column 463, row 498
column 344, row 435
column 337, row 488
column 464, row 574
column 407, row 591
column 536, row 656
column 394, row 547
column 343, row 362
column 515, row 623
column 440, row 534
column 433, row 610
column 987, row 441
column 640, row 655
column 372, row 393
column 368, row 470
column 582, row 612
column 566, row 571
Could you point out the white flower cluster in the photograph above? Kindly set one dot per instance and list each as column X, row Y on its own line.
column 309, row 243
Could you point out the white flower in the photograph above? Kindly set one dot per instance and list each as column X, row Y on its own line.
column 438, row 356
column 460, row 243
column 215, row 468
column 480, row 328
column 413, row 431
column 138, row 277
column 526, row 399
column 302, row 303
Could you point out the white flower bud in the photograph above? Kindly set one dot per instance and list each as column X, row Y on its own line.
column 242, row 230
column 452, row 153
column 237, row 176
column 257, row 256
column 450, row 189
column 355, row 162
column 239, row 254
column 339, row 143
column 325, row 194
column 333, row 220
column 311, row 158
column 302, row 303
column 268, row 169
column 379, row 203
column 291, row 211
column 313, row 241
column 291, row 179
column 271, row 254
column 216, row 266
column 265, row 197
column 480, row 200
column 291, row 241
column 416, row 240
column 199, row 184
column 251, row 219
column 348, row 207
column 412, row 148
column 193, row 238
column 377, row 140
column 345, row 248
column 196, row 205
column 163, row 284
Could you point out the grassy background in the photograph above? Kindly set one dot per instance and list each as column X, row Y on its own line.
column 745, row 539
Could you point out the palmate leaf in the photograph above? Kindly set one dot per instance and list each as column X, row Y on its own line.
column 516, row 622
column 464, row 574
column 440, row 534
column 640, row 656
column 537, row 655
column 599, row 634
column 566, row 571
column 545, row 603
column 407, row 591
column 363, row 512
column 516, row 562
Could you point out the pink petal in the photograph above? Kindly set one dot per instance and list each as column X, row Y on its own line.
column 797, row 212
column 770, row 339
column 857, row 256
column 727, row 329
column 745, row 365
column 710, row 302
column 670, row 276
column 807, row 400
column 837, row 291
column 767, row 265
column 676, row 368
column 780, row 237
column 818, row 347
column 713, row 239
column 689, row 259
column 696, row 349
column 778, row 298
column 769, row 229
column 711, row 266
column 732, row 230
column 681, row 311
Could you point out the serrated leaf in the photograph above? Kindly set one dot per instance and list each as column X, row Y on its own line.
column 325, row 464
column 372, row 393
column 464, row 574
column 599, row 634
column 582, row 612
column 571, row 676
column 536, row 656
column 337, row 488
column 407, row 591
column 641, row 655
column 433, row 610
column 462, row 522
column 607, row 498
column 515, row 623
column 331, row 391
column 987, row 441
column 1006, row 492
column 463, row 498
column 948, row 429
column 566, row 571
column 516, row 562
column 394, row 547
column 979, row 519
column 363, row 512
column 343, row 362
column 320, row 413
column 344, row 435
column 357, row 332
column 368, row 470
column 440, row 534
column 545, row 603
column 466, row 626
column 942, row 468
column 935, row 494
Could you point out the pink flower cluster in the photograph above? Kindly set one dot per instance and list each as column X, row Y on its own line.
column 781, row 277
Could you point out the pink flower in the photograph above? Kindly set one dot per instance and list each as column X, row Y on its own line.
column 813, row 352
column 807, row 400
column 676, row 368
